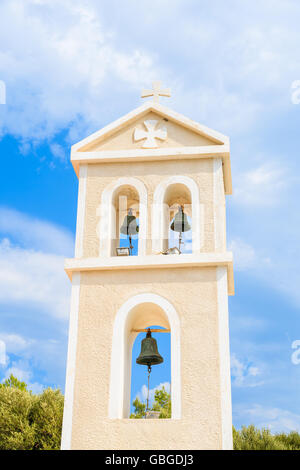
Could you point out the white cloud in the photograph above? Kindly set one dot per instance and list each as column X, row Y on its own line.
column 66, row 63
column 20, row 374
column 142, row 395
column 34, row 233
column 32, row 267
column 33, row 278
column 244, row 254
column 33, row 282
column 21, row 370
column 58, row 59
column 3, row 358
column 59, row 152
column 14, row 343
column 275, row 419
column 274, row 267
column 34, row 357
column 244, row 374
column 246, row 258
column 261, row 186
column 249, row 323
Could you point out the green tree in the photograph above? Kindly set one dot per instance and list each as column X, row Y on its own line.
column 29, row 421
column 291, row 440
column 16, row 433
column 162, row 403
column 14, row 382
column 251, row 438
column 139, row 409
column 45, row 416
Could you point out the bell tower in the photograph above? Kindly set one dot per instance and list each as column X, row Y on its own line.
column 147, row 177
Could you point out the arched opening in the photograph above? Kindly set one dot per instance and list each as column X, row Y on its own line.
column 168, row 196
column 137, row 313
column 117, row 199
column 145, row 384
column 177, row 205
column 125, row 202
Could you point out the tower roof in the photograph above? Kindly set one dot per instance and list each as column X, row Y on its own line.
column 187, row 140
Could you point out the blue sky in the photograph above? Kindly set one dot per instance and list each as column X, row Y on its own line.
column 71, row 67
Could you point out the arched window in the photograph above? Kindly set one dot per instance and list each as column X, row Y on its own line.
column 125, row 204
column 170, row 195
column 123, row 197
column 178, row 205
column 140, row 311
column 160, row 375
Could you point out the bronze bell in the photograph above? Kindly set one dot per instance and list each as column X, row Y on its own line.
column 149, row 355
column 129, row 226
column 180, row 222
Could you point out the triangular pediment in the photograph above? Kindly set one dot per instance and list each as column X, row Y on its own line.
column 150, row 126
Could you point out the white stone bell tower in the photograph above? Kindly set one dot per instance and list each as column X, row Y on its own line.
column 150, row 161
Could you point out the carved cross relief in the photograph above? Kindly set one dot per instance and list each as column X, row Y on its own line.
column 150, row 134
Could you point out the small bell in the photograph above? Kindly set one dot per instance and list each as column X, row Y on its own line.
column 180, row 224
column 129, row 227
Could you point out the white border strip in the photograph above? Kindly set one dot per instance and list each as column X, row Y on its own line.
column 71, row 364
column 224, row 355
column 81, row 211
column 219, row 206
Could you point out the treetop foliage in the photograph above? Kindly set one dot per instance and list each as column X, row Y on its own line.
column 251, row 438
column 29, row 421
column 14, row 382
column 162, row 403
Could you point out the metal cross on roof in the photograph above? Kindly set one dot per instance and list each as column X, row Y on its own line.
column 156, row 92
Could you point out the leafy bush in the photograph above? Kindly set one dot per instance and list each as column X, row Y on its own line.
column 29, row 421
column 139, row 409
column 162, row 403
column 251, row 438
column 45, row 416
column 16, row 432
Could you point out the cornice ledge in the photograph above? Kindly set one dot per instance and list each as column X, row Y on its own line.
column 153, row 261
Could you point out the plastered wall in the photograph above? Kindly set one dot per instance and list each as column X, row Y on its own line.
column 193, row 293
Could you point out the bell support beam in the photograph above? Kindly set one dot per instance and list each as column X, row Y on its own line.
column 154, row 261
column 153, row 330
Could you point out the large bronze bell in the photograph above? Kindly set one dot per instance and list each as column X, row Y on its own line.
column 129, row 226
column 180, row 222
column 149, row 355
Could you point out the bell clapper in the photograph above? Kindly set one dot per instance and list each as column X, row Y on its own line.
column 180, row 241
column 130, row 245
